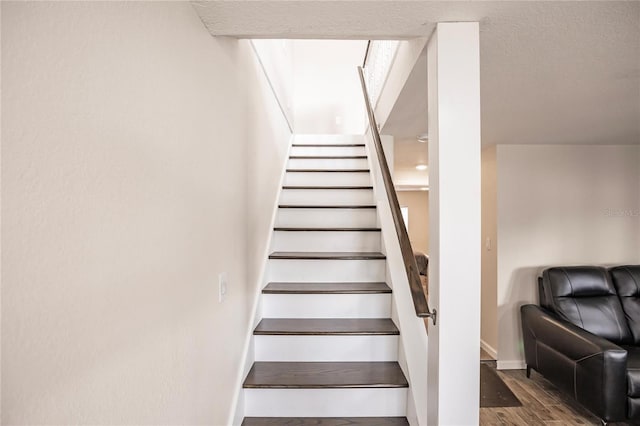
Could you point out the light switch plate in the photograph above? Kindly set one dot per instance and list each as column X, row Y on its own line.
column 222, row 287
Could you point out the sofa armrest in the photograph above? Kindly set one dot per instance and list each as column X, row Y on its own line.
column 588, row 367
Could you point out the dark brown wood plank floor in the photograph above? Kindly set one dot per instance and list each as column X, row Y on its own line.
column 349, row 255
column 542, row 404
column 313, row 375
column 326, row 326
column 313, row 288
column 325, row 421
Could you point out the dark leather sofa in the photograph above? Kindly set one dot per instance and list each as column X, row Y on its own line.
column 585, row 337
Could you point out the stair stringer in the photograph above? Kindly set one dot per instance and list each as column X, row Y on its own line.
column 236, row 414
column 413, row 350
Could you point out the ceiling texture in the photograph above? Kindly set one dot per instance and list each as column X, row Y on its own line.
column 562, row 72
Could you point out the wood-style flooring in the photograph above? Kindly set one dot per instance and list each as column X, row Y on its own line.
column 542, row 404
column 326, row 326
column 317, row 375
column 325, row 421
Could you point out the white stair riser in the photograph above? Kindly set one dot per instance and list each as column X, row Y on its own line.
column 326, row 241
column 328, row 163
column 327, row 217
column 326, row 348
column 328, row 139
column 353, row 402
column 294, row 270
column 319, row 197
column 328, row 150
column 326, row 305
column 332, row 178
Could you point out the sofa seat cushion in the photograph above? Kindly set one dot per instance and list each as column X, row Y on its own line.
column 633, row 371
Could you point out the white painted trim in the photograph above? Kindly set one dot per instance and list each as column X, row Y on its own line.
column 236, row 414
column 511, row 365
column 273, row 90
column 490, row 350
column 359, row 348
column 332, row 402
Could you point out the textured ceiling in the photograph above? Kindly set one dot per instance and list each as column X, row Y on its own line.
column 552, row 72
column 320, row 19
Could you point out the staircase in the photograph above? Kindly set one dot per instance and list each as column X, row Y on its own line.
column 326, row 349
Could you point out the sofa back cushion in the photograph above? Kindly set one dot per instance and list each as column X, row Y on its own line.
column 585, row 296
column 626, row 280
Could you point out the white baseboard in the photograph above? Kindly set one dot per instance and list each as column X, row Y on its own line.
column 517, row 364
column 489, row 349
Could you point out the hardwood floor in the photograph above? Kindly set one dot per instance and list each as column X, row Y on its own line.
column 327, row 255
column 542, row 404
column 316, row 375
column 325, row 421
column 326, row 288
column 326, row 326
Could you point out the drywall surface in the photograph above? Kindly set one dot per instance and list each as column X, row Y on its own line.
column 489, row 298
column 418, row 204
column 276, row 58
column 125, row 195
column 268, row 139
column 268, row 143
column 413, row 346
column 560, row 205
column 453, row 60
column 327, row 94
column 407, row 54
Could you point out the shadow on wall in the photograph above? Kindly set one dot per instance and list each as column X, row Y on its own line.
column 522, row 290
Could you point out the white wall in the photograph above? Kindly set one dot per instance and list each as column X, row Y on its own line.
column 413, row 348
column 268, row 145
column 418, row 204
column 406, row 56
column 453, row 60
column 327, row 91
column 125, row 194
column 276, row 57
column 269, row 139
column 560, row 205
column 489, row 297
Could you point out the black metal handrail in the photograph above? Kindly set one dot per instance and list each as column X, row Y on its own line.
column 417, row 291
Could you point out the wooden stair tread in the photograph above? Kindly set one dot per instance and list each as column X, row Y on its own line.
column 307, row 206
column 325, row 327
column 326, row 288
column 326, row 255
column 315, row 375
column 328, row 170
column 327, row 157
column 301, row 229
column 325, row 421
column 368, row 187
column 334, row 145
